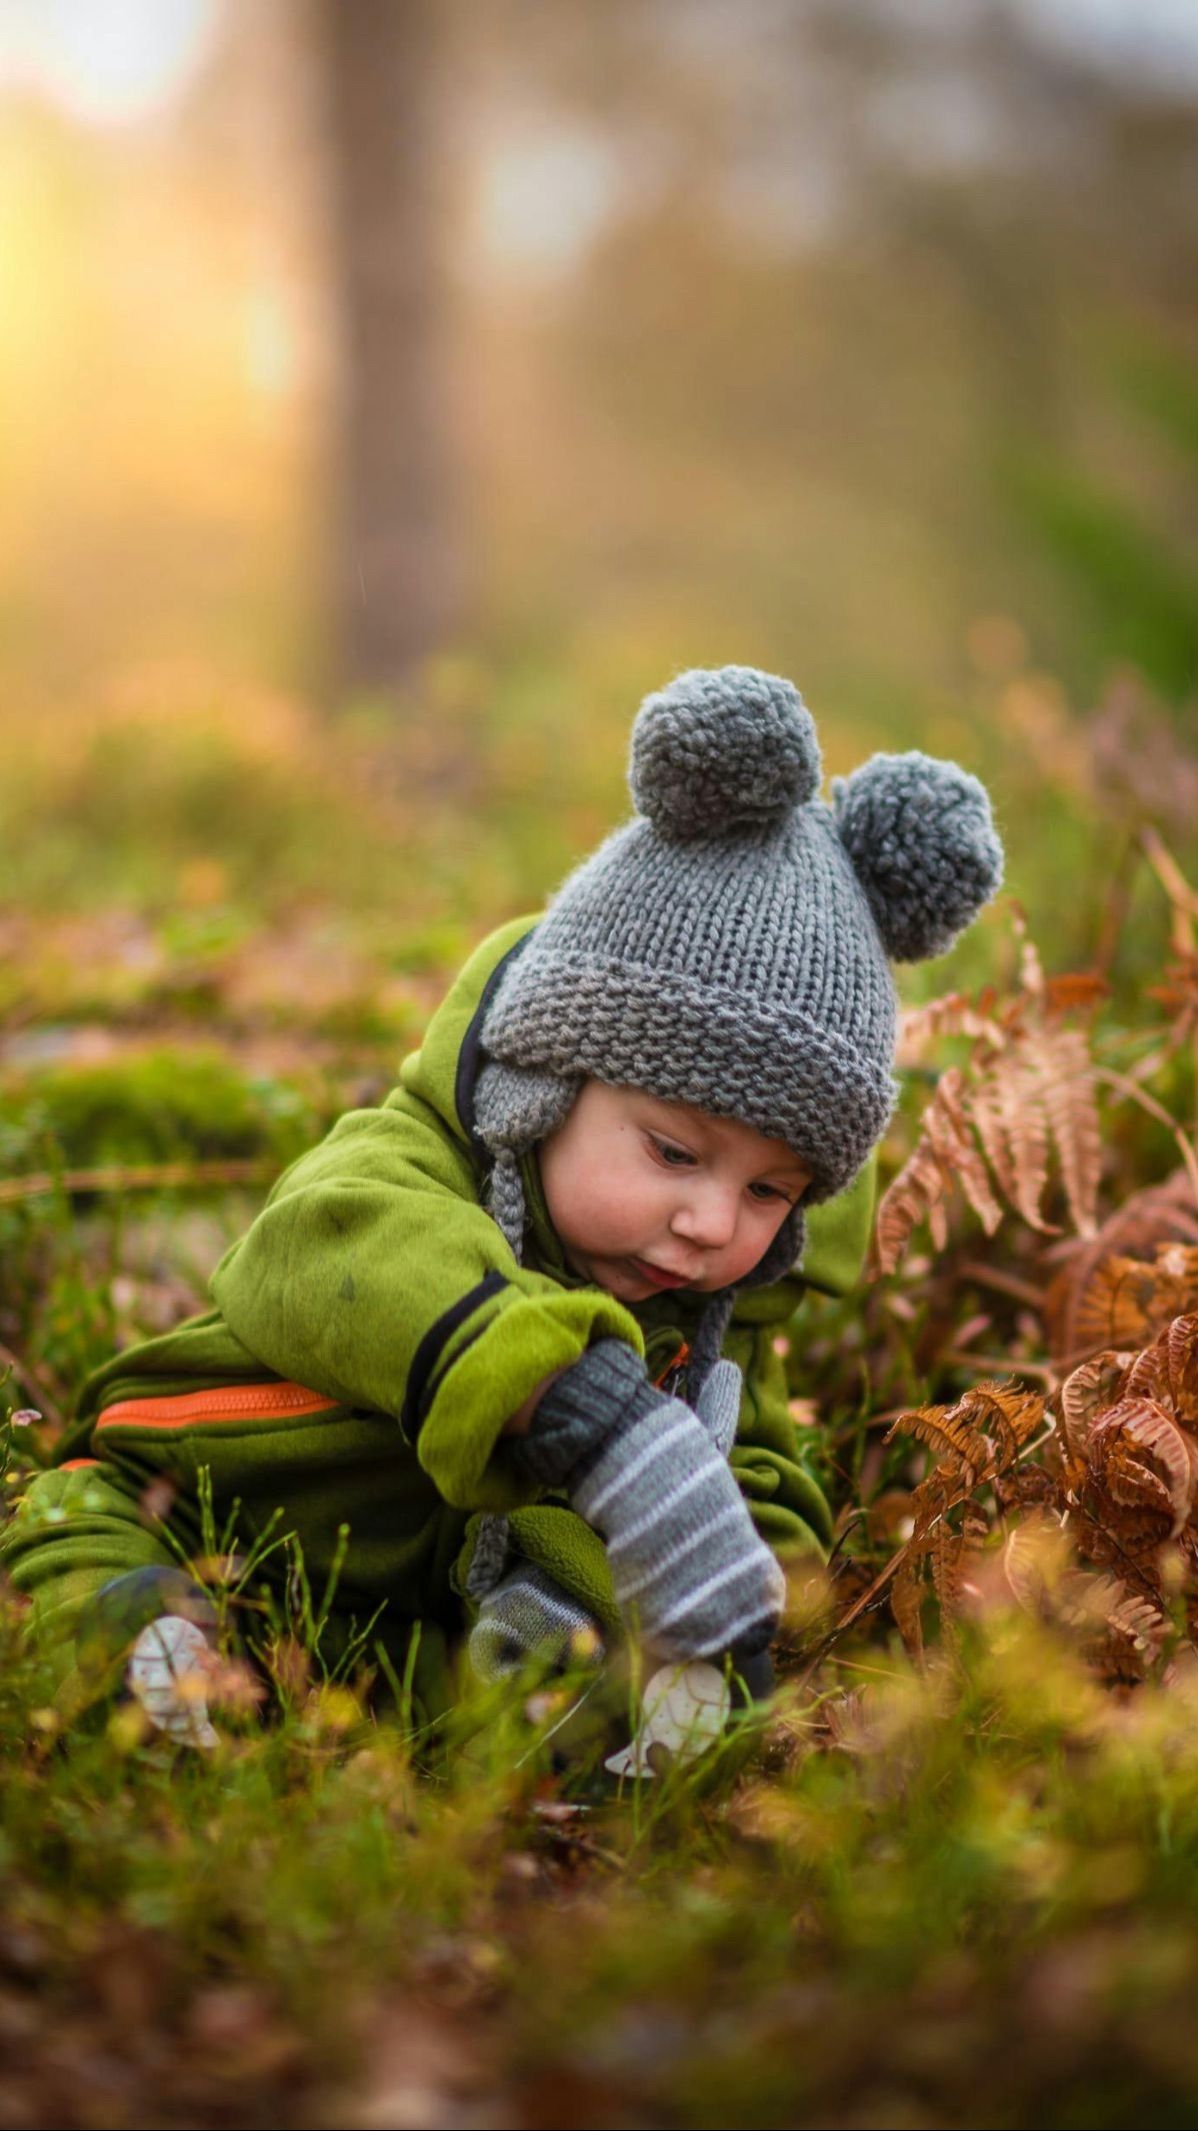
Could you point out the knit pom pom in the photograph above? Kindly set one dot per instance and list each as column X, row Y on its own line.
column 729, row 750
column 924, row 847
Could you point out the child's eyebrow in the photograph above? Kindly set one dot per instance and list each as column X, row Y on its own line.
column 690, row 1125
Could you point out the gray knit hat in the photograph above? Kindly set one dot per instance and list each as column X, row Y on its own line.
column 729, row 946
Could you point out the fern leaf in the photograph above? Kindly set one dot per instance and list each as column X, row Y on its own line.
column 945, row 1557
column 952, row 1015
column 906, row 1601
column 913, row 1196
column 1031, row 969
column 1177, row 1369
column 1060, row 1059
column 943, row 1154
column 1087, row 1392
column 941, row 1429
column 1019, row 1102
column 1128, row 1300
column 1144, row 1462
column 1179, row 997
column 1077, row 991
column 1009, row 1413
column 949, row 1127
column 1033, row 1559
column 986, row 1114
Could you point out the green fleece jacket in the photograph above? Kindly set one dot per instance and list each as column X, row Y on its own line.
column 375, row 1278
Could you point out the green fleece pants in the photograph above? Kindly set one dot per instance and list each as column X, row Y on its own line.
column 367, row 1522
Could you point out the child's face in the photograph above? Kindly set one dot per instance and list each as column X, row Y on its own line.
column 648, row 1195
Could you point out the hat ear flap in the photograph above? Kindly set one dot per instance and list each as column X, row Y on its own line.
column 922, row 841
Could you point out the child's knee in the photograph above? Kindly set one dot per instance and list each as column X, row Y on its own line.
column 73, row 1531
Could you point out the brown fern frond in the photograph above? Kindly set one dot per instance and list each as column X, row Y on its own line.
column 947, row 1127
column 1098, row 1527
column 955, row 1014
column 1124, row 1498
column 1077, row 991
column 1167, row 1371
column 945, row 1556
column 985, row 1431
column 1033, row 1557
column 1087, row 1392
column 976, row 1440
column 1145, row 1460
column 1060, row 1059
column 1178, row 995
column 914, row 1196
column 1027, row 1092
column 1031, row 969
column 1127, row 1301
column 1160, row 1214
column 1018, row 1104
column 1027, row 1488
column 907, row 1594
column 1008, row 1414
column 943, row 1155
column 1129, row 1639
column 1120, row 1629
column 943, row 1430
column 986, row 1113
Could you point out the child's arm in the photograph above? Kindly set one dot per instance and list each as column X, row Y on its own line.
column 374, row 1275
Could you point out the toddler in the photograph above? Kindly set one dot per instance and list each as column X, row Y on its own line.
column 469, row 1353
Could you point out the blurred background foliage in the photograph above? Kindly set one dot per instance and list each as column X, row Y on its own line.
column 855, row 341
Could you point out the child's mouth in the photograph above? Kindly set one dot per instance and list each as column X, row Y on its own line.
column 654, row 1275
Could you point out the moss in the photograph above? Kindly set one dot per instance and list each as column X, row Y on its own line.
column 157, row 1106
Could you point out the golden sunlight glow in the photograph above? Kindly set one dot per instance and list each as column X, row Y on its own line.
column 106, row 61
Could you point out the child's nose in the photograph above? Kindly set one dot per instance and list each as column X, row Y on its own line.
column 707, row 1218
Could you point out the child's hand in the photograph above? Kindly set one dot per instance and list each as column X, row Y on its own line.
column 688, row 1567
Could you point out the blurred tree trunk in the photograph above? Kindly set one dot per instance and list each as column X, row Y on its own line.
column 397, row 560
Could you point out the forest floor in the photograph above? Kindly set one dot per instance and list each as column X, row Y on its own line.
column 950, row 1875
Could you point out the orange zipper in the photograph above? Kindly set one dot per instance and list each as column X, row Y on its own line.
column 238, row 1402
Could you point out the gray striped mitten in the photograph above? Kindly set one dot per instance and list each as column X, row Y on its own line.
column 688, row 1568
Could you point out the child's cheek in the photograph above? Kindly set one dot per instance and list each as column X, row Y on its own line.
column 615, row 1211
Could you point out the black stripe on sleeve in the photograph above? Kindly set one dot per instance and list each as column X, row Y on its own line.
column 418, row 1392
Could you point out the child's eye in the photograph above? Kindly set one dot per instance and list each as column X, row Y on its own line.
column 769, row 1191
column 673, row 1157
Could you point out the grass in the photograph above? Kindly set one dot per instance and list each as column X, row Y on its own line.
column 974, row 1905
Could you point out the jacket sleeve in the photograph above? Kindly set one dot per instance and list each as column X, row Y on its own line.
column 374, row 1275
